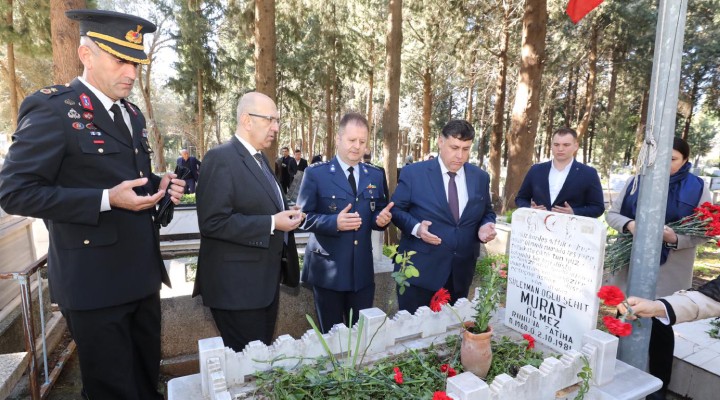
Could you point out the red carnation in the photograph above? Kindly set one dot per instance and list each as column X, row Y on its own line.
column 530, row 340
column 447, row 369
column 439, row 299
column 611, row 295
column 441, row 396
column 398, row 376
column 617, row 327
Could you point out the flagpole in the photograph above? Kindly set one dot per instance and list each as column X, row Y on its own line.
column 664, row 86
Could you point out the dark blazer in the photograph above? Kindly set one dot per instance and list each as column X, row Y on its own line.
column 65, row 152
column 582, row 189
column 335, row 260
column 239, row 265
column 420, row 195
column 302, row 164
column 192, row 163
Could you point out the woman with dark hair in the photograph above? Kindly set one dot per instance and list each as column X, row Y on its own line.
column 316, row 159
column 685, row 193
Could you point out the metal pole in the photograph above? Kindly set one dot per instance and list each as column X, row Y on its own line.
column 664, row 85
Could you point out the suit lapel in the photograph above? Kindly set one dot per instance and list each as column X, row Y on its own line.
column 252, row 166
column 340, row 179
column 101, row 117
column 437, row 186
column 572, row 175
column 137, row 125
column 472, row 182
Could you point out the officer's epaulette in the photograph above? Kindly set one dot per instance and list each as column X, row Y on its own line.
column 372, row 166
column 318, row 164
column 54, row 90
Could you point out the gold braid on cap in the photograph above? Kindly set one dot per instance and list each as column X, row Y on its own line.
column 115, row 40
column 121, row 55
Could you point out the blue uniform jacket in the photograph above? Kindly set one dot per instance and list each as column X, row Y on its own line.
column 582, row 189
column 420, row 195
column 337, row 260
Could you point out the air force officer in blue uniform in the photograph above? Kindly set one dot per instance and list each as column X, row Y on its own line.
column 344, row 201
column 443, row 208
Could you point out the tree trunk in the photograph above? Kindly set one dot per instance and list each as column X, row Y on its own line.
column 427, row 110
column 200, row 119
column 640, row 131
column 369, row 105
column 391, row 106
column 612, row 90
column 328, row 122
column 693, row 94
column 569, row 99
column 265, row 58
column 65, row 41
column 469, row 108
column 496, row 137
column 550, row 125
column 12, row 76
column 521, row 137
column 590, row 90
column 145, row 83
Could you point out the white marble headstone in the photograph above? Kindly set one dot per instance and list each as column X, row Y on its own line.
column 554, row 273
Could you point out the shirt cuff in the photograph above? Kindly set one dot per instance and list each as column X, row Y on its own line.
column 415, row 229
column 272, row 224
column 105, row 202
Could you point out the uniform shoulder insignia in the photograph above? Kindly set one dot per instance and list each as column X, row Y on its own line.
column 318, row 164
column 54, row 90
column 373, row 166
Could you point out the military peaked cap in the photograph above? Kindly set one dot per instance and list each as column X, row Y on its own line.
column 118, row 34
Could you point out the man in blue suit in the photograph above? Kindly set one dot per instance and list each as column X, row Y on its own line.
column 443, row 208
column 563, row 185
column 344, row 201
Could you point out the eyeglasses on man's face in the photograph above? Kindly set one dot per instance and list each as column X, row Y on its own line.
column 269, row 118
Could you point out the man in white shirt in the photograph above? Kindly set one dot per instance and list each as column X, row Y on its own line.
column 80, row 160
column 563, row 185
column 247, row 247
column 443, row 208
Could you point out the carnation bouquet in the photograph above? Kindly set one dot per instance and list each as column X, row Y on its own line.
column 704, row 222
column 612, row 296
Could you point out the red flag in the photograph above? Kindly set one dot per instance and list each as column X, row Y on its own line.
column 578, row 9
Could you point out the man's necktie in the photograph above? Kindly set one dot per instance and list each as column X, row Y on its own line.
column 271, row 180
column 119, row 120
column 453, row 197
column 351, row 180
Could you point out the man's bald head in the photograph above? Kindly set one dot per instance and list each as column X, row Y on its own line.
column 258, row 120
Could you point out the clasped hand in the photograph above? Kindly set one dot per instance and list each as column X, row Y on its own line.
column 123, row 196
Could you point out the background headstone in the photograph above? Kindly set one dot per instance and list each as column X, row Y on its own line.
column 554, row 273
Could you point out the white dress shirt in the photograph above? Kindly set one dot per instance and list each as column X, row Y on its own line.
column 462, row 191
column 556, row 179
column 252, row 152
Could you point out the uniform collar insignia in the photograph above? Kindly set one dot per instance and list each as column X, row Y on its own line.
column 85, row 101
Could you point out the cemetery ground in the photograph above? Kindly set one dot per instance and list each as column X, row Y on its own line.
column 707, row 267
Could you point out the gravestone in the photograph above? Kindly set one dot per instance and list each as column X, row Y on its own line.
column 554, row 273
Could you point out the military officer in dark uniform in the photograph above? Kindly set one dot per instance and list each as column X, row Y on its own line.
column 344, row 201
column 80, row 160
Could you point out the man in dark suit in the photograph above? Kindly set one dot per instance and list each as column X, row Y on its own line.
column 563, row 185
column 344, row 201
column 443, row 208
column 301, row 162
column 246, row 247
column 81, row 161
column 285, row 169
column 188, row 167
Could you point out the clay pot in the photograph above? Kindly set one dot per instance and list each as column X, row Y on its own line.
column 475, row 352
